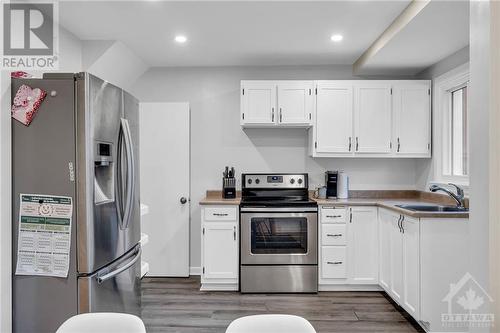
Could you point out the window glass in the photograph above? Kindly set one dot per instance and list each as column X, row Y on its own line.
column 457, row 153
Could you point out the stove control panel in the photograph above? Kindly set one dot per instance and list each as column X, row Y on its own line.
column 260, row 180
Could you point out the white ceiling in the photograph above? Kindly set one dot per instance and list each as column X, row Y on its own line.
column 439, row 30
column 234, row 33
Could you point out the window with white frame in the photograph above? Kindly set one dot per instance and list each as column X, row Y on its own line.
column 451, row 127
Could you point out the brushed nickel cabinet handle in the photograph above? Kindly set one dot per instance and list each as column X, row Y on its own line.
column 334, row 235
column 220, row 214
column 334, row 262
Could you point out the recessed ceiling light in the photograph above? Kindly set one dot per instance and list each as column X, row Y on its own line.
column 336, row 38
column 181, row 39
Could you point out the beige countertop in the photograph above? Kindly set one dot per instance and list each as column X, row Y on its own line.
column 392, row 205
column 215, row 198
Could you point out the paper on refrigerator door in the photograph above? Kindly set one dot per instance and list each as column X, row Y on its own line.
column 44, row 239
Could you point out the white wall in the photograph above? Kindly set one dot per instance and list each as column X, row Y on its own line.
column 217, row 139
column 115, row 62
column 481, row 156
column 425, row 168
column 70, row 60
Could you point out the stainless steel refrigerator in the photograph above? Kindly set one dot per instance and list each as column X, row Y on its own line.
column 82, row 143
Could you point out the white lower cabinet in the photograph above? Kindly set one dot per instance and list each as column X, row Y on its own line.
column 399, row 259
column 348, row 247
column 220, row 248
column 363, row 245
column 411, row 265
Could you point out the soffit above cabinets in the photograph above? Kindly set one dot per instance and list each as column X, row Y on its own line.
column 428, row 31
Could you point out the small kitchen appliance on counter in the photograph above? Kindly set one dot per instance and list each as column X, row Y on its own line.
column 331, row 181
column 342, row 185
column 279, row 235
column 228, row 184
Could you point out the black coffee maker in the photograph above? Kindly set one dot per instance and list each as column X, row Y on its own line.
column 331, row 179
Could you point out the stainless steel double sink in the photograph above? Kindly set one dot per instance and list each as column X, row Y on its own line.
column 433, row 208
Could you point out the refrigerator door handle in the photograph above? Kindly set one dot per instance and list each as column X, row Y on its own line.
column 107, row 276
column 130, row 174
column 119, row 177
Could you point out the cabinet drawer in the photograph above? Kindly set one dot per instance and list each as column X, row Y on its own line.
column 333, row 234
column 333, row 215
column 220, row 213
column 333, row 265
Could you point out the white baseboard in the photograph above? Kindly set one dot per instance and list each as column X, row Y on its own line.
column 349, row 287
column 194, row 270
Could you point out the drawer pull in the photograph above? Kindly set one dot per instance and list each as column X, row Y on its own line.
column 333, row 216
column 334, row 235
column 221, row 214
column 334, row 262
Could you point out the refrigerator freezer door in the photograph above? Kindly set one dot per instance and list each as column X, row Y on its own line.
column 42, row 157
column 105, row 141
column 115, row 288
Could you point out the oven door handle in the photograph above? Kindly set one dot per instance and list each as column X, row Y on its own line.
column 280, row 209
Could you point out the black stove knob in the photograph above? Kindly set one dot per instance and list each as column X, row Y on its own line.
column 292, row 181
column 257, row 181
column 299, row 181
column 249, row 181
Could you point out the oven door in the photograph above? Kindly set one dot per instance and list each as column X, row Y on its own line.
column 281, row 236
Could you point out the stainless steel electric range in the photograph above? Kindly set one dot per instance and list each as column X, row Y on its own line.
column 279, row 235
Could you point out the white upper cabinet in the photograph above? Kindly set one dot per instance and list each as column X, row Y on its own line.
column 258, row 103
column 412, row 118
column 347, row 118
column 333, row 126
column 276, row 103
column 295, row 102
column 372, row 117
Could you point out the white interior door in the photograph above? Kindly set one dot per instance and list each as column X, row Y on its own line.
column 164, row 155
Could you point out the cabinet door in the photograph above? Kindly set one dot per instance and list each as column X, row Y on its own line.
column 372, row 118
column 385, row 227
column 220, row 250
column 412, row 117
column 334, row 118
column 411, row 264
column 396, row 256
column 295, row 102
column 258, row 102
column 363, row 245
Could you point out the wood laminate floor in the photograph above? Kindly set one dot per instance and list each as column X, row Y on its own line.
column 177, row 305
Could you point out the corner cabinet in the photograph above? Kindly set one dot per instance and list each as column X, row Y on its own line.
column 276, row 103
column 220, row 247
column 399, row 259
column 364, row 118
